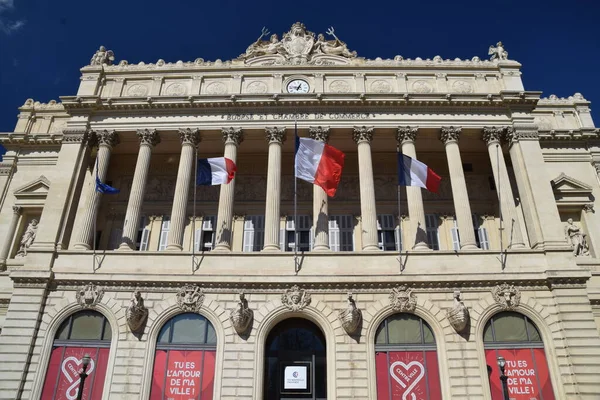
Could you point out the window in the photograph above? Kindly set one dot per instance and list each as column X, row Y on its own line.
column 481, row 235
column 455, row 236
column 406, row 359
column 432, row 228
column 388, row 232
column 184, row 363
column 254, row 233
column 305, row 237
column 514, row 337
column 141, row 242
column 204, row 238
column 341, row 233
column 116, row 234
column 85, row 332
column 164, row 233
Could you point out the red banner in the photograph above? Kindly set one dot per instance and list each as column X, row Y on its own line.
column 62, row 379
column 183, row 375
column 407, row 375
column 527, row 373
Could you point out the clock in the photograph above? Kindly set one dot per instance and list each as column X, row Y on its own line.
column 297, row 86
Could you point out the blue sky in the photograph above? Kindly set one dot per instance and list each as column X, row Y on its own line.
column 44, row 43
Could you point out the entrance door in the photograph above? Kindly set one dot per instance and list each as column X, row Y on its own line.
column 295, row 362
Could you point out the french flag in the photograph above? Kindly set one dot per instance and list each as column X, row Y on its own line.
column 319, row 163
column 215, row 171
column 414, row 173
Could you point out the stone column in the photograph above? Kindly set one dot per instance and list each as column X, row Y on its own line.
column 10, row 235
column 189, row 140
column 232, row 137
column 406, row 136
column 320, row 200
column 512, row 227
column 106, row 141
column 363, row 136
column 148, row 139
column 462, row 208
column 275, row 138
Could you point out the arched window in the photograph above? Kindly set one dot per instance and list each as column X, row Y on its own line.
column 85, row 332
column 406, row 359
column 295, row 361
column 184, row 363
column 514, row 337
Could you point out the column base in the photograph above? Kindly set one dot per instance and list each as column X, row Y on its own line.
column 371, row 247
column 321, row 248
column 469, row 246
column 271, row 247
column 174, row 247
column 517, row 246
column 222, row 248
column 125, row 247
column 421, row 247
column 82, row 246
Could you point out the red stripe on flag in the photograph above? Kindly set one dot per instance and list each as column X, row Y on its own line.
column 231, row 169
column 329, row 171
column 433, row 181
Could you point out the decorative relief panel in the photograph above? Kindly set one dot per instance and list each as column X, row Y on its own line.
column 215, row 88
column 381, row 86
column 544, row 124
column 176, row 89
column 339, row 86
column 256, row 87
column 137, row 90
column 422, row 87
column 461, row 86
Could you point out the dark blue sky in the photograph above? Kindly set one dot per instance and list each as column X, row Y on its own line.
column 44, row 43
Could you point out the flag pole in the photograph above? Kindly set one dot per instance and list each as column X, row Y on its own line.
column 399, row 240
column 296, row 269
column 194, row 211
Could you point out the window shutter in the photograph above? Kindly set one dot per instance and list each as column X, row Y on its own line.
column 164, row 233
column 145, row 233
column 283, row 239
column 455, row 236
column 197, row 239
column 334, row 234
column 311, row 238
column 208, row 224
column 398, row 235
column 248, row 234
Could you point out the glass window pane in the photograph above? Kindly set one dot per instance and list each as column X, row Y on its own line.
column 211, row 336
column 163, row 336
column 188, row 328
column 510, row 327
column 63, row 331
column 404, row 328
column 87, row 325
column 534, row 334
column 487, row 332
column 107, row 331
column 428, row 334
column 380, row 335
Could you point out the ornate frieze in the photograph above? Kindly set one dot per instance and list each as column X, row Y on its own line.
column 190, row 298
column 350, row 317
column 362, row 134
column 406, row 134
column 458, row 316
column 275, row 134
column 320, row 133
column 136, row 313
column 189, row 136
column 233, row 135
column 107, row 137
column 241, row 317
column 492, row 134
column 148, row 137
column 295, row 299
column 403, row 299
column 507, row 296
column 522, row 132
column 89, row 295
column 72, row 135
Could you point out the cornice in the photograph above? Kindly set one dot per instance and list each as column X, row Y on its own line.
column 26, row 139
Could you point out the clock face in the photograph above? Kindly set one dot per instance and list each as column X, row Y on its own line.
column 297, row 86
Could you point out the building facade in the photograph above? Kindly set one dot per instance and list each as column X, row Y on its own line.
column 179, row 292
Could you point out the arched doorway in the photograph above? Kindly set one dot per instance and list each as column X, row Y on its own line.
column 295, row 361
column 85, row 332
column 514, row 337
column 406, row 359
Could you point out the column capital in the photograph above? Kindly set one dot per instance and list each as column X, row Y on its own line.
column 521, row 132
column 108, row 138
column 189, row 136
column 406, row 134
column 492, row 134
column 233, row 135
column 17, row 210
column 148, row 137
column 275, row 135
column 320, row 133
column 362, row 134
column 77, row 135
column 450, row 134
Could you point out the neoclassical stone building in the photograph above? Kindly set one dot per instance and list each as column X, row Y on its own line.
column 184, row 292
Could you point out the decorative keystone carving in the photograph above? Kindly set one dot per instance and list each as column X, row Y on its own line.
column 106, row 137
column 233, row 135
column 241, row 317
column 507, row 296
column 148, row 136
column 450, row 134
column 189, row 136
column 403, row 299
column 492, row 134
column 319, row 133
column 295, row 298
column 17, row 210
column 362, row 134
column 458, row 316
column 406, row 134
column 136, row 312
column 90, row 295
column 275, row 135
column 190, row 298
column 350, row 317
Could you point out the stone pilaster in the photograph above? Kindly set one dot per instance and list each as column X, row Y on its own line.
column 148, row 139
column 106, row 141
column 10, row 234
column 275, row 137
column 320, row 200
column 462, row 208
column 363, row 137
column 232, row 137
column 406, row 137
column 492, row 136
column 189, row 141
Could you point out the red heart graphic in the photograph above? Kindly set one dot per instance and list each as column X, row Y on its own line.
column 407, row 376
column 70, row 369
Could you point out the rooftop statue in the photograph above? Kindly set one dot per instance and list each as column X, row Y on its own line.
column 498, row 52
column 103, row 56
column 335, row 47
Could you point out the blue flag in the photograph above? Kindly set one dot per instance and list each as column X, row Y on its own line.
column 103, row 187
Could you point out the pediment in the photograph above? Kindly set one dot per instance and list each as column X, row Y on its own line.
column 569, row 191
column 36, row 189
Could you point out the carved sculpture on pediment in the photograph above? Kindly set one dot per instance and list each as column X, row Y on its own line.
column 498, row 52
column 136, row 312
column 89, row 295
column 403, row 299
column 28, row 238
column 458, row 316
column 350, row 317
column 241, row 316
column 507, row 296
column 190, row 298
column 103, row 56
column 334, row 47
column 577, row 239
column 295, row 298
